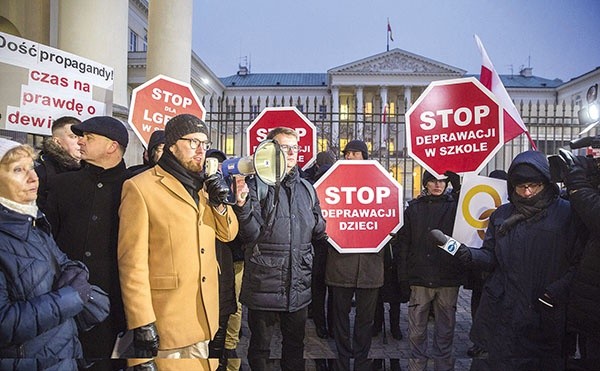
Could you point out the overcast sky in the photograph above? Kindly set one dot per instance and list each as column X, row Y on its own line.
column 558, row 38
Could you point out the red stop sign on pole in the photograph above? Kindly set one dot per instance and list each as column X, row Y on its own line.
column 272, row 117
column 454, row 125
column 362, row 205
column 157, row 100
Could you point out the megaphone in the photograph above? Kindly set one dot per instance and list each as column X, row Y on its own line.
column 267, row 162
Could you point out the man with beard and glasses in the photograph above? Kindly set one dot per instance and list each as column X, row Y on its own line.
column 170, row 217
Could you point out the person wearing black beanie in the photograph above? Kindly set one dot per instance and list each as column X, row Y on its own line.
column 170, row 216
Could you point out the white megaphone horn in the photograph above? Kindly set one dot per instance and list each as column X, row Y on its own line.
column 267, row 162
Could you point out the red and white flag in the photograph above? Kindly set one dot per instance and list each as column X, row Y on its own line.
column 390, row 30
column 513, row 123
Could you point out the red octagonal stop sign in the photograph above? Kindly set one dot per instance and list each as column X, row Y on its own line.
column 362, row 205
column 454, row 125
column 156, row 101
column 272, row 117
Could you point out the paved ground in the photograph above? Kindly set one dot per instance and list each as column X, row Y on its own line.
column 316, row 348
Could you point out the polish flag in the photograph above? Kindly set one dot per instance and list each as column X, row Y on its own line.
column 513, row 123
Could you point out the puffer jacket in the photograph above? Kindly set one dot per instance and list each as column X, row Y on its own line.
column 37, row 330
column 278, row 263
column 421, row 261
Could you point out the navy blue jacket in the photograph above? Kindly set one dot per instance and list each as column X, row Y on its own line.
column 536, row 256
column 277, row 265
column 37, row 328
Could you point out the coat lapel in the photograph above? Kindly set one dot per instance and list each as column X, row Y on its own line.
column 174, row 186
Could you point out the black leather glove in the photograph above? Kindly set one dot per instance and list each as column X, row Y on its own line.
column 454, row 180
column 217, row 189
column 145, row 341
column 575, row 170
column 146, row 366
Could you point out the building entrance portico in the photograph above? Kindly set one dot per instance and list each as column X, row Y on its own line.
column 385, row 85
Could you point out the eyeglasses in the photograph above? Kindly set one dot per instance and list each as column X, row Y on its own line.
column 195, row 143
column 532, row 187
column 286, row 148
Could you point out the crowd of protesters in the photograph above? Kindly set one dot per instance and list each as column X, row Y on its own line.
column 178, row 250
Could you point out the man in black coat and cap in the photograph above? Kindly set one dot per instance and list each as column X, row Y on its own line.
column 82, row 208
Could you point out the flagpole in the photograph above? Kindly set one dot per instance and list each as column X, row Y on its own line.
column 387, row 33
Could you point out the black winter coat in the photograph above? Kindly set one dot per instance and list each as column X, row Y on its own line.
column 83, row 210
column 536, row 256
column 227, row 299
column 277, row 264
column 52, row 160
column 584, row 301
column 421, row 261
column 37, row 329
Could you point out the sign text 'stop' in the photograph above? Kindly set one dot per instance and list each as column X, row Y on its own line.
column 455, row 125
column 291, row 117
column 155, row 102
column 362, row 205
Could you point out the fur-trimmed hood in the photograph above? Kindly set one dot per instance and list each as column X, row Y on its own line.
column 52, row 151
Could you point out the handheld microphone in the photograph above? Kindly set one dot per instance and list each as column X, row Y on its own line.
column 446, row 243
column 581, row 142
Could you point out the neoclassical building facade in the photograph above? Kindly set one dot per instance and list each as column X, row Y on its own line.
column 349, row 101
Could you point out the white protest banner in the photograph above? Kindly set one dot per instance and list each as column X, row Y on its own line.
column 40, row 84
column 479, row 197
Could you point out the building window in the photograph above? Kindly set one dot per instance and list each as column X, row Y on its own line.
column 344, row 112
column 322, row 112
column 145, row 43
column 132, row 41
column 230, row 112
column 254, row 111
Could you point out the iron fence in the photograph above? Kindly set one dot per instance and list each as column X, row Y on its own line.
column 551, row 126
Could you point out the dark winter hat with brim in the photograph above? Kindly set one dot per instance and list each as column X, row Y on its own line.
column 525, row 173
column 427, row 176
column 106, row 126
column 215, row 153
column 358, row 146
column 182, row 125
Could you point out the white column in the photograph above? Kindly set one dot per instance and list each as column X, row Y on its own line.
column 97, row 30
column 407, row 96
column 170, row 39
column 335, row 118
column 360, row 104
column 382, row 129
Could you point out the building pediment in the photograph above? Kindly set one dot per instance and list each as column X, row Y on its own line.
column 396, row 61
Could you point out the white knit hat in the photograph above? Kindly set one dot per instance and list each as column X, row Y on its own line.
column 6, row 145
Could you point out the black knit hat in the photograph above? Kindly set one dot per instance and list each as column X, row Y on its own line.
column 359, row 146
column 106, row 126
column 182, row 125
